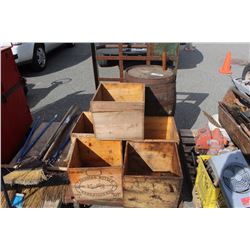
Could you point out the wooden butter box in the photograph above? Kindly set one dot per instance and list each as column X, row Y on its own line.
column 118, row 111
column 152, row 174
column 161, row 128
column 95, row 170
column 83, row 126
column 233, row 128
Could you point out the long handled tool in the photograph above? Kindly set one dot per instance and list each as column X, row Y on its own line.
column 32, row 173
column 34, row 127
column 28, row 148
column 57, row 153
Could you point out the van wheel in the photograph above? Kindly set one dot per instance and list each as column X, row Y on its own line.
column 39, row 60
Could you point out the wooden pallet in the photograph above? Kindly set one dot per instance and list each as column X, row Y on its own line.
column 187, row 137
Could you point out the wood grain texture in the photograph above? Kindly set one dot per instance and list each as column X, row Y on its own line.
column 118, row 111
column 239, row 137
column 83, row 126
column 235, row 131
column 145, row 191
column 95, row 170
column 160, row 86
column 69, row 198
column 122, row 125
column 152, row 174
column 161, row 128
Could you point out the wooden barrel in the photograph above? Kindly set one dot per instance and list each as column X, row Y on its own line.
column 160, row 86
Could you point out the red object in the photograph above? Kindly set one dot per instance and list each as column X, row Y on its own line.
column 16, row 116
column 217, row 135
column 226, row 67
column 203, row 138
column 245, row 201
column 211, row 141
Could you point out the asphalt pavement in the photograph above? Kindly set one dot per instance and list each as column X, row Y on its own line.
column 68, row 79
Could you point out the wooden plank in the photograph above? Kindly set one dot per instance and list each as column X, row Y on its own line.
column 147, row 192
column 119, row 125
column 158, row 156
column 83, row 126
column 188, row 140
column 148, row 53
column 129, row 92
column 69, row 199
column 96, row 184
column 233, row 128
column 186, row 133
column 109, row 79
column 129, row 58
column 93, row 152
column 161, row 128
column 120, row 61
column 110, row 106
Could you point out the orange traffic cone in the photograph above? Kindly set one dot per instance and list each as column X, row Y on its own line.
column 226, row 67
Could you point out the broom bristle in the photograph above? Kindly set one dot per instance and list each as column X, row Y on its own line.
column 11, row 194
column 26, row 177
column 47, row 196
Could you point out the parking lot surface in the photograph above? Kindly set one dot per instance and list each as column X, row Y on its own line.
column 68, row 79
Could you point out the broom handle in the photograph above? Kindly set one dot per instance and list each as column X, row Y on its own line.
column 34, row 127
column 26, row 151
column 51, row 139
column 65, row 124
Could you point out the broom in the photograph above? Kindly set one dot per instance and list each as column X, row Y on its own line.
column 31, row 170
column 50, row 195
column 4, row 203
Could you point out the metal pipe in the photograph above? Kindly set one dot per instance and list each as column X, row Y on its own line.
column 94, row 62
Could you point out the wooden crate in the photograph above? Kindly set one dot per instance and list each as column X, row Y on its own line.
column 161, row 128
column 83, row 126
column 118, row 111
column 95, row 170
column 152, row 174
column 233, row 128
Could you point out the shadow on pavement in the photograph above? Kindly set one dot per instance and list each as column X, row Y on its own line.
column 189, row 59
column 61, row 106
column 187, row 108
column 36, row 95
column 72, row 56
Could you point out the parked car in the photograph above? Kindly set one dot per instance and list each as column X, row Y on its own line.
column 33, row 53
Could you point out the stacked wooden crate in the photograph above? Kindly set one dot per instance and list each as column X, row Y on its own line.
column 149, row 174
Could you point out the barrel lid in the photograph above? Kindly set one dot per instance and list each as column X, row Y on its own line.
column 149, row 72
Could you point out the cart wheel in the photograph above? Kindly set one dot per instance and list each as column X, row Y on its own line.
column 246, row 73
column 39, row 60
